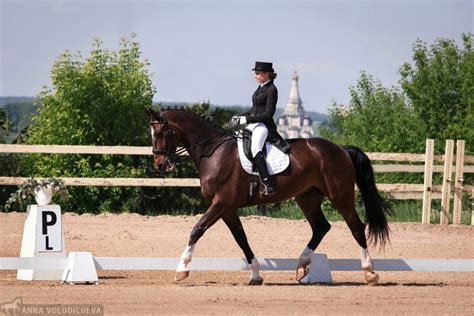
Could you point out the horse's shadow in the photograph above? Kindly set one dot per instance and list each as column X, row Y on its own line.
column 335, row 284
column 112, row 277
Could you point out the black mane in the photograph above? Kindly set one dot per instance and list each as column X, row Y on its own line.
column 206, row 119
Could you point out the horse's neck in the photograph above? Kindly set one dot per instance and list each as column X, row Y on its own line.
column 196, row 135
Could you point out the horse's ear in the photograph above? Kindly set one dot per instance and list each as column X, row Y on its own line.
column 149, row 111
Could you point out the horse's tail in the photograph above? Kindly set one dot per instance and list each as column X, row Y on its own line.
column 375, row 206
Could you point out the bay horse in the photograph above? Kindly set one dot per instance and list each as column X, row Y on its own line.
column 318, row 169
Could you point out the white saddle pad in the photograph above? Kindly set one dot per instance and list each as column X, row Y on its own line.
column 277, row 161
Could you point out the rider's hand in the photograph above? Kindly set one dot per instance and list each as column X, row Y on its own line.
column 238, row 120
column 242, row 120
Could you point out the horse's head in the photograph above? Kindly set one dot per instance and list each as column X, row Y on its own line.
column 164, row 140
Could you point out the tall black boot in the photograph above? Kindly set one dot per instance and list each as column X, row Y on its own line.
column 261, row 165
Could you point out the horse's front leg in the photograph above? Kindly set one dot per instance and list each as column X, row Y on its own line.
column 232, row 221
column 212, row 215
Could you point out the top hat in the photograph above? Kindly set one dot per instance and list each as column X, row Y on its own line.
column 263, row 66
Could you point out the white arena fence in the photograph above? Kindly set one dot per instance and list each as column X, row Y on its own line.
column 426, row 191
column 81, row 267
column 239, row 264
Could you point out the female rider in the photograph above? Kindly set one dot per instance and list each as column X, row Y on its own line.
column 259, row 119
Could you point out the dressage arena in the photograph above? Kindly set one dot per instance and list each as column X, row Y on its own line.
column 204, row 292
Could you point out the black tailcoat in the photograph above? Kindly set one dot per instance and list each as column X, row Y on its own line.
column 264, row 102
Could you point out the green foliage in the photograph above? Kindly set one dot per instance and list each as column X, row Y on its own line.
column 28, row 189
column 5, row 124
column 7, row 162
column 20, row 114
column 436, row 101
column 97, row 100
column 440, row 87
column 377, row 119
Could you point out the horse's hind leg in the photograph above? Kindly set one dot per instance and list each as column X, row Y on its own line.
column 347, row 209
column 232, row 221
column 310, row 203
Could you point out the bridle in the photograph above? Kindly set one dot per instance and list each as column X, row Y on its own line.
column 168, row 132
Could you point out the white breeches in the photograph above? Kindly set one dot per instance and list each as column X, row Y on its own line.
column 259, row 136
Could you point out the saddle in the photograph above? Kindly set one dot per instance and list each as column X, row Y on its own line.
column 276, row 154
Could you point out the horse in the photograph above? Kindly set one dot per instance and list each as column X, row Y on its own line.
column 318, row 168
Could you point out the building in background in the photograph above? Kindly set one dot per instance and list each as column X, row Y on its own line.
column 294, row 122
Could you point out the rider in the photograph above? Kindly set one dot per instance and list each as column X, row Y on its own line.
column 260, row 118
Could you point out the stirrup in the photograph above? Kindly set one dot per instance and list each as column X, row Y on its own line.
column 268, row 188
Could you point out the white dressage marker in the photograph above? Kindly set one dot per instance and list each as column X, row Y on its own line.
column 42, row 237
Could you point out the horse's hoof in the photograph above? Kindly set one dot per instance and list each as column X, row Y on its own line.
column 256, row 281
column 301, row 272
column 371, row 278
column 181, row 275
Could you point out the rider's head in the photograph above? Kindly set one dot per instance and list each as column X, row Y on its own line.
column 264, row 71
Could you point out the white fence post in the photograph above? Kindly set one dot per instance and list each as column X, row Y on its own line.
column 427, row 184
column 446, row 191
column 459, row 180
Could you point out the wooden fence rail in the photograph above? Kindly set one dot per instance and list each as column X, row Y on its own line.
column 425, row 191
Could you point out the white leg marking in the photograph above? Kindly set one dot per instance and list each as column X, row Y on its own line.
column 371, row 277
column 255, row 267
column 185, row 259
column 365, row 260
column 305, row 257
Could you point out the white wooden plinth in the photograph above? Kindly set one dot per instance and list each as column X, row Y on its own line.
column 80, row 268
column 319, row 270
column 35, row 244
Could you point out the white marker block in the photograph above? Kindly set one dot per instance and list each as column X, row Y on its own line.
column 42, row 237
column 319, row 271
column 80, row 269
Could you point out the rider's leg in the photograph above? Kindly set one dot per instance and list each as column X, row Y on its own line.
column 259, row 136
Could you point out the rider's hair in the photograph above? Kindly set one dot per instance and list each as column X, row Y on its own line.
column 273, row 75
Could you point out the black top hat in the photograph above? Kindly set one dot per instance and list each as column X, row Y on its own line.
column 263, row 66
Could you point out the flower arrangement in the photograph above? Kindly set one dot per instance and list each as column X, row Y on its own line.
column 39, row 188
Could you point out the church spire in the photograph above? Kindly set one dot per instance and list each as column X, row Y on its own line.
column 294, row 101
column 294, row 121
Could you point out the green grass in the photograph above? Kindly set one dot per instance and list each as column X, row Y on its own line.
column 404, row 211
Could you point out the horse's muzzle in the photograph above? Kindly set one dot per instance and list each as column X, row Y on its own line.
column 165, row 166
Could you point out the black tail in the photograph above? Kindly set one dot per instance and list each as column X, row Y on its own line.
column 375, row 206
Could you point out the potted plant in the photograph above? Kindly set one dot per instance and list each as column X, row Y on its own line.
column 42, row 189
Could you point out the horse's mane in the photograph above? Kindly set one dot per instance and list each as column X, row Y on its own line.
column 206, row 119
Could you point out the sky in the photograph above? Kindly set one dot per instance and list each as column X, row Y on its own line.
column 205, row 50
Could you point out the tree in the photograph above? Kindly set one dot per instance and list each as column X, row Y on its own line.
column 5, row 124
column 376, row 119
column 440, row 86
column 436, row 101
column 98, row 100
